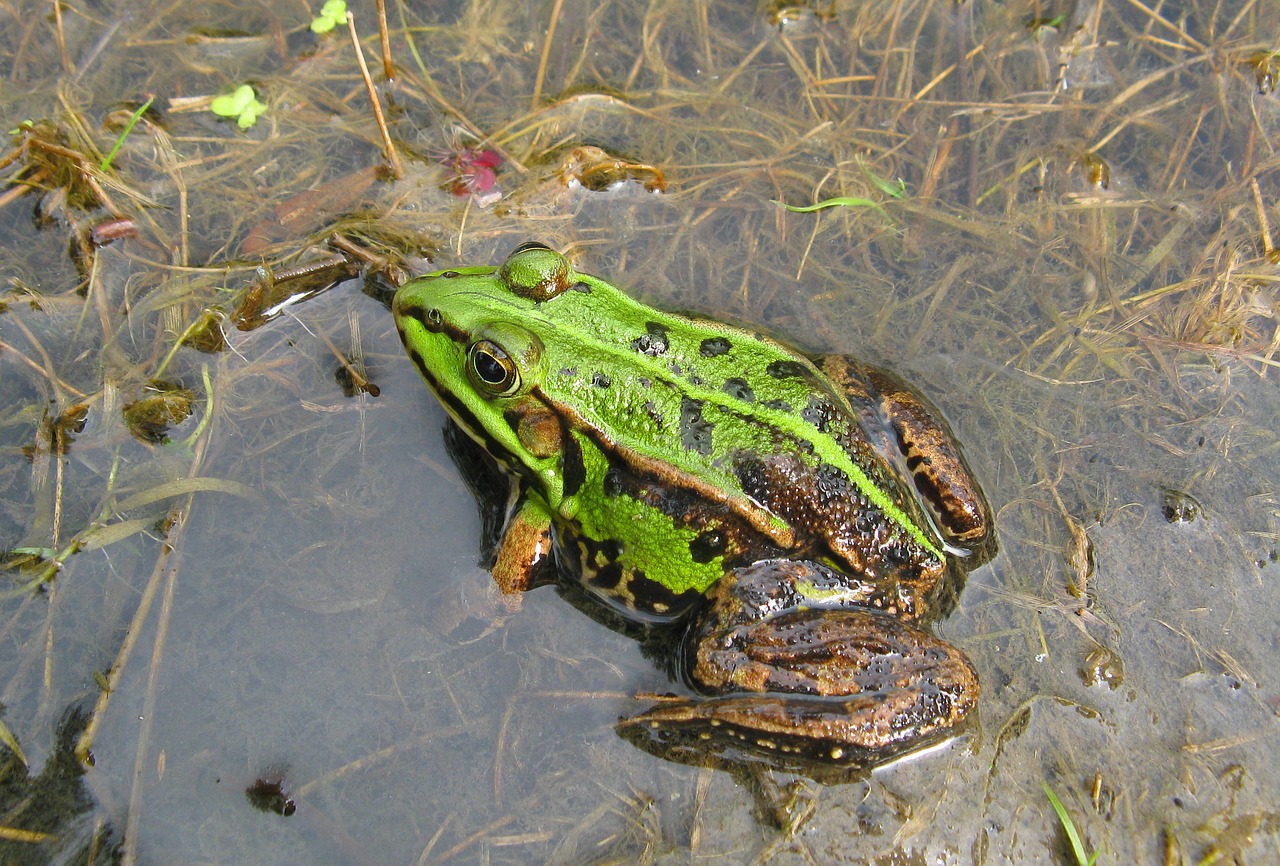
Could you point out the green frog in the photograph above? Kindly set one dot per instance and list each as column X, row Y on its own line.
column 798, row 519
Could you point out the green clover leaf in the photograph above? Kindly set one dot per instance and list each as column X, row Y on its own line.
column 242, row 104
column 333, row 13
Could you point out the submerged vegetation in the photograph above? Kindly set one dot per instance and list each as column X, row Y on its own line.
column 1069, row 828
column 226, row 540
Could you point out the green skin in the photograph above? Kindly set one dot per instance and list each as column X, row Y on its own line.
column 689, row 468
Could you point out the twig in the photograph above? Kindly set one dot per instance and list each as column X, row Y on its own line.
column 358, row 378
column 86, row 169
column 67, row 66
column 388, row 72
column 1268, row 248
column 396, row 169
column 453, row 111
column 546, row 54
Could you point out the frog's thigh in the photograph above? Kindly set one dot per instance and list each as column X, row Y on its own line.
column 855, row 679
column 932, row 454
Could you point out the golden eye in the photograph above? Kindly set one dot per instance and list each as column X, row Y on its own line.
column 492, row 369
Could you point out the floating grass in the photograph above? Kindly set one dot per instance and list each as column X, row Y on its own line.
column 837, row 201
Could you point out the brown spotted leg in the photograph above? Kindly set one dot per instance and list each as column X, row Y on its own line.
column 795, row 661
column 927, row 444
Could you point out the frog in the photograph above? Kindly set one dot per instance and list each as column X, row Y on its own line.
column 795, row 522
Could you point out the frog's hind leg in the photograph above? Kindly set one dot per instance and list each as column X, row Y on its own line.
column 927, row 444
column 785, row 676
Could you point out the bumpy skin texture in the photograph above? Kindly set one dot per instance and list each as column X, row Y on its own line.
column 669, row 458
column 857, row 683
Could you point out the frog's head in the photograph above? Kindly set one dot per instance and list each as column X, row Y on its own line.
column 474, row 335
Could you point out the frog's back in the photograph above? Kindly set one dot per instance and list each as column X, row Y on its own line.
column 745, row 423
column 669, row 450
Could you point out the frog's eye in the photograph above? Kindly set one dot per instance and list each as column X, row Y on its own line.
column 492, row 370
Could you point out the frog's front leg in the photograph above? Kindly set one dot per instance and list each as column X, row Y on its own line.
column 524, row 550
column 794, row 663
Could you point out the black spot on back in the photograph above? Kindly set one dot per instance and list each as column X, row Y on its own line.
column 713, row 347
column 600, row 380
column 739, row 390
column 653, row 342
column 788, row 370
column 695, row 431
column 750, row 472
column 832, row 482
column 818, row 412
column 655, row 417
column 613, row 483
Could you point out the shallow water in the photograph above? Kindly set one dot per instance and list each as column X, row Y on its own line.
column 1080, row 273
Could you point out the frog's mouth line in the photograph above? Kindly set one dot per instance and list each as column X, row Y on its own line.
column 454, row 407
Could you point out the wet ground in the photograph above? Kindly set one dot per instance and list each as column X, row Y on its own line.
column 241, row 616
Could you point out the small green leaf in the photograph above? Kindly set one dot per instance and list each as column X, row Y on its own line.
column 333, row 13
column 249, row 116
column 231, row 104
column 242, row 104
column 892, row 188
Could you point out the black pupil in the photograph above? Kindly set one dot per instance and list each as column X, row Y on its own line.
column 489, row 368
